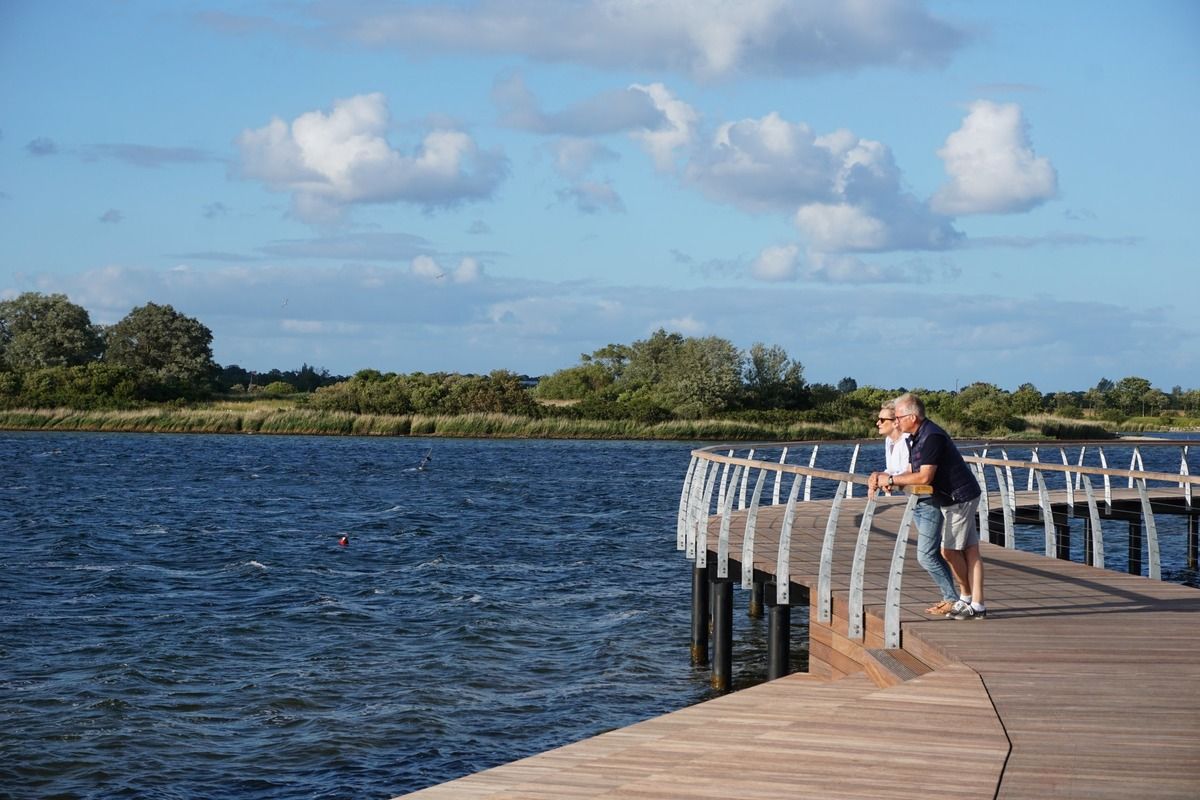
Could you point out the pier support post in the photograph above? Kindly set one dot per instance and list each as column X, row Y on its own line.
column 779, row 624
column 722, row 603
column 1135, row 547
column 756, row 600
column 700, row 615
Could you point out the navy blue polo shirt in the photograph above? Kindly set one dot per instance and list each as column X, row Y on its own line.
column 953, row 482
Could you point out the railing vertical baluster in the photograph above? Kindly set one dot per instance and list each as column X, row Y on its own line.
column 723, row 535
column 1047, row 515
column 1033, row 457
column 742, row 485
column 812, row 461
column 1010, row 539
column 854, row 630
column 853, row 464
column 1079, row 475
column 1094, row 516
column 1183, row 471
column 702, row 523
column 778, row 479
column 985, row 532
column 1012, row 484
column 1107, row 482
column 1070, row 484
column 783, row 566
column 891, row 612
column 748, row 534
column 699, row 481
column 681, row 519
column 724, row 481
column 1135, row 462
column 1155, row 570
column 825, row 572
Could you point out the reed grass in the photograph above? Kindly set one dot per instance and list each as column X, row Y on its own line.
column 275, row 416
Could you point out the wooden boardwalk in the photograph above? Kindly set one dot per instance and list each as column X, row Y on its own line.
column 1081, row 683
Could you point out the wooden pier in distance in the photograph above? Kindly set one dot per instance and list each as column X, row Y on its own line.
column 1080, row 683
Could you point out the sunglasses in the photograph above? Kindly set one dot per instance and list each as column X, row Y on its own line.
column 885, row 419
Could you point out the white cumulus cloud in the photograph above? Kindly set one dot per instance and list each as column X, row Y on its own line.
column 776, row 264
column 992, row 166
column 328, row 161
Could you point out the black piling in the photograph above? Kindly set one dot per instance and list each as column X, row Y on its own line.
column 722, row 638
column 700, row 616
column 779, row 624
column 1089, row 554
column 756, row 600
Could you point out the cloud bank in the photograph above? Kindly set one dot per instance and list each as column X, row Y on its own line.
column 330, row 161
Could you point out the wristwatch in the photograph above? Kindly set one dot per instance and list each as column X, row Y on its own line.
column 891, row 481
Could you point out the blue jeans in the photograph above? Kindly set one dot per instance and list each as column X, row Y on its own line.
column 928, row 519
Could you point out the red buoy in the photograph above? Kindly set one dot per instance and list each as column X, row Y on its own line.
column 344, row 541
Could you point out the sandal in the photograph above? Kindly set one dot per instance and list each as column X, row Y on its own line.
column 942, row 608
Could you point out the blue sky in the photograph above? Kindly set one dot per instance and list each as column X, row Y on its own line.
column 906, row 193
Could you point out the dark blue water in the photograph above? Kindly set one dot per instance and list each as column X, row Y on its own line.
column 178, row 620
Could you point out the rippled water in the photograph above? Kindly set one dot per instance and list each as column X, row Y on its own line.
column 178, row 619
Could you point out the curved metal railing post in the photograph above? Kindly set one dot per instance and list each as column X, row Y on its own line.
column 748, row 534
column 1155, row 570
column 891, row 612
column 1070, row 483
column 1135, row 462
column 1010, row 539
column 744, row 481
column 854, row 628
column 783, row 566
column 985, row 527
column 1033, row 457
column 1047, row 515
column 701, row 537
column 1012, row 484
column 695, row 512
column 825, row 571
column 723, row 534
column 682, row 517
column 1094, row 516
column 724, row 481
column 1079, row 475
column 853, row 464
column 1183, row 471
column 812, row 462
column 1107, row 481
column 778, row 479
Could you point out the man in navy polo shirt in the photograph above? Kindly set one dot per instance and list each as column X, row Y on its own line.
column 947, row 517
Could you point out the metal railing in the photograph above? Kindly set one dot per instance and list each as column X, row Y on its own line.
column 720, row 471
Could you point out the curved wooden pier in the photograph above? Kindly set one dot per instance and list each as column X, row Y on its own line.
column 1081, row 683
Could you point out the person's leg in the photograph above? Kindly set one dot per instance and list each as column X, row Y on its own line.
column 928, row 519
column 975, row 568
column 958, row 567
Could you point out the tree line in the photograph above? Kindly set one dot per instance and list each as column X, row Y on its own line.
column 51, row 355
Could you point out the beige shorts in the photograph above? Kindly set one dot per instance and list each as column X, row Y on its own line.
column 960, row 531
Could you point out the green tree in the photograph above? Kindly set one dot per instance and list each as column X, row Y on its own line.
column 773, row 380
column 1129, row 393
column 39, row 330
column 171, row 353
column 1026, row 400
column 847, row 385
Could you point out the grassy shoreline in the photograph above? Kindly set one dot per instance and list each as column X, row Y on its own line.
column 282, row 418
column 300, row 421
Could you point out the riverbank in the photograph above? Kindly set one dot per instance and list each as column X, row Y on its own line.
column 284, row 417
column 303, row 421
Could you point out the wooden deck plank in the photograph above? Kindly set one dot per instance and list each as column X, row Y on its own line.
column 1089, row 676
